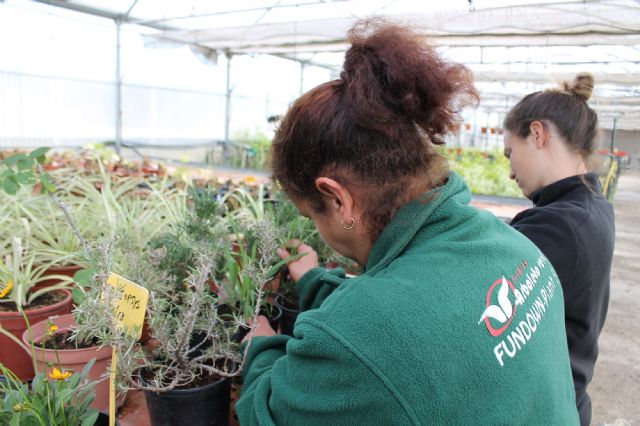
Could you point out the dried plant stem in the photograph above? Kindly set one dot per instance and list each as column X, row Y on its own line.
column 192, row 313
column 71, row 223
column 256, row 313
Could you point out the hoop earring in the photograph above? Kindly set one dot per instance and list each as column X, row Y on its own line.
column 353, row 222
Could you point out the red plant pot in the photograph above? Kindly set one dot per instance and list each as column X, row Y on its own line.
column 69, row 271
column 72, row 359
column 12, row 355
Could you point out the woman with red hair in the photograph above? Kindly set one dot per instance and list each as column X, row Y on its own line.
column 457, row 318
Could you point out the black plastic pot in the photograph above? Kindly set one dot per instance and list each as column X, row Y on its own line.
column 275, row 317
column 208, row 405
column 103, row 420
column 289, row 316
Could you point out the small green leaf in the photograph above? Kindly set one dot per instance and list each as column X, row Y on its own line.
column 46, row 184
column 29, row 414
column 89, row 418
column 38, row 383
column 25, row 178
column 87, row 367
column 73, row 381
column 26, row 164
column 275, row 268
column 78, row 296
column 83, row 277
column 40, row 152
column 15, row 420
column 66, row 395
column 10, row 186
column 11, row 161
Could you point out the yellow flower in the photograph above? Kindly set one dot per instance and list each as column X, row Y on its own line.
column 250, row 180
column 7, row 289
column 52, row 329
column 60, row 374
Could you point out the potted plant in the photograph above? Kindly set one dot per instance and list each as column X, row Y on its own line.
column 292, row 226
column 236, row 290
column 113, row 210
column 185, row 372
column 93, row 330
column 58, row 399
column 21, row 304
column 53, row 346
column 53, row 238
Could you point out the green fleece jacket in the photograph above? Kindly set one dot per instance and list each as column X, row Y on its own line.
column 458, row 319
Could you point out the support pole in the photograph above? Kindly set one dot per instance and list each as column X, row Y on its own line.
column 118, row 100
column 302, row 65
column 613, row 134
column 474, row 131
column 227, row 110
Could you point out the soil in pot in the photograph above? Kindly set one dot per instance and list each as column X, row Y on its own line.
column 60, row 341
column 13, row 356
column 205, row 403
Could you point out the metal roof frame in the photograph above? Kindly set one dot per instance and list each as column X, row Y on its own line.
column 321, row 41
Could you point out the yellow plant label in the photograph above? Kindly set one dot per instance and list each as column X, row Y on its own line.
column 129, row 314
column 131, row 304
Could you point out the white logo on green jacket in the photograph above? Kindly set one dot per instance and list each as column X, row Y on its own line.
column 505, row 313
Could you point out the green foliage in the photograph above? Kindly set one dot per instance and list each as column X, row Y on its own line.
column 21, row 170
column 204, row 213
column 51, row 236
column 484, row 172
column 249, row 150
column 293, row 226
column 20, row 272
column 47, row 402
column 200, row 223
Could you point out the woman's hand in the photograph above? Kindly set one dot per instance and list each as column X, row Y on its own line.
column 263, row 328
column 299, row 267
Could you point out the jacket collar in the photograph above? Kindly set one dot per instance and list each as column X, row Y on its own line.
column 553, row 192
column 426, row 210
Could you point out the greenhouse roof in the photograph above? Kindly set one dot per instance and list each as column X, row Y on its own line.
column 513, row 47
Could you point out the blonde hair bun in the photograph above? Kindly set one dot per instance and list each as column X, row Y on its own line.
column 581, row 86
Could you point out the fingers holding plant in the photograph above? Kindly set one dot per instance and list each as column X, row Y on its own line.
column 299, row 257
column 262, row 328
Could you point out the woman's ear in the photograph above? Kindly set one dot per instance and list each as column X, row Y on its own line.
column 337, row 197
column 539, row 134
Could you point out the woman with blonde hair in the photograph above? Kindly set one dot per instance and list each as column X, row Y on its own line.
column 549, row 138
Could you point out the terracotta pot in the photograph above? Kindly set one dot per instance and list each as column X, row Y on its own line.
column 72, row 359
column 13, row 356
column 69, row 271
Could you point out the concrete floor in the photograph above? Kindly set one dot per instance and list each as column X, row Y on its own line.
column 615, row 389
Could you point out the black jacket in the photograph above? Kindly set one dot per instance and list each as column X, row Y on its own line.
column 573, row 225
